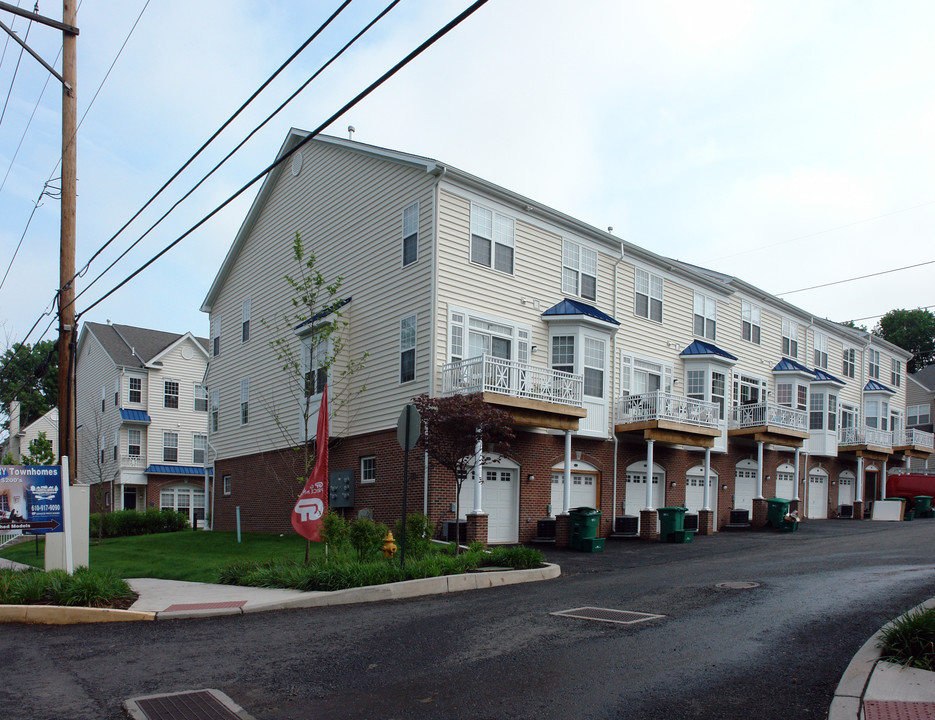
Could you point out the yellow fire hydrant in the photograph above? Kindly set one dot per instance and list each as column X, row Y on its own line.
column 389, row 546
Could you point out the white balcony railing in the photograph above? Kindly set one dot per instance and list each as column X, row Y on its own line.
column 133, row 461
column 768, row 413
column 866, row 436
column 914, row 438
column 661, row 405
column 507, row 377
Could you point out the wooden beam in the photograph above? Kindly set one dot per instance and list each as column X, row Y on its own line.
column 678, row 438
column 535, row 405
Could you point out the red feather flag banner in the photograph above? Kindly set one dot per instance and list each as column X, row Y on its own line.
column 313, row 500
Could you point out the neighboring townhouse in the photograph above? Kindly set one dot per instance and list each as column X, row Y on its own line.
column 20, row 436
column 634, row 381
column 920, row 402
column 142, row 418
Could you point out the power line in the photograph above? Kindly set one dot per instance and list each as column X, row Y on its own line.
column 15, row 71
column 860, row 277
column 871, row 317
column 216, row 133
column 36, row 206
column 289, row 153
column 253, row 132
column 823, row 232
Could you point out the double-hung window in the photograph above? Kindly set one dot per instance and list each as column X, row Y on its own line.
column 216, row 337
column 579, row 270
column 873, row 363
column 563, row 353
column 790, row 338
column 593, row 367
column 648, row 295
column 368, row 469
column 136, row 390
column 821, row 351
column 918, row 415
column 244, row 401
column 705, row 317
column 896, row 374
column 215, row 408
column 245, row 321
column 407, row 349
column 201, row 398
column 492, row 240
column 316, row 367
column 849, row 365
column 134, row 438
column 170, row 446
column 410, row 234
column 171, row 395
column 750, row 322
column 199, row 447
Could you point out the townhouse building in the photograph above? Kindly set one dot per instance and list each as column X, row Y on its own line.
column 634, row 381
column 920, row 402
column 142, row 418
column 17, row 444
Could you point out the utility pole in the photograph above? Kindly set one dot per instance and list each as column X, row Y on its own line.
column 66, row 297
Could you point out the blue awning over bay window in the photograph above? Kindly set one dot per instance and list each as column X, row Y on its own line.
column 700, row 347
column 874, row 386
column 178, row 470
column 577, row 308
column 787, row 365
column 822, row 376
column 137, row 416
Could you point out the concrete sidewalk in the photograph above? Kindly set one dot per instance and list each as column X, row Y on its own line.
column 873, row 689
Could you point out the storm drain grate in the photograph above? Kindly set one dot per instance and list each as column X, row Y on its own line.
column 620, row 617
column 897, row 710
column 192, row 705
column 742, row 585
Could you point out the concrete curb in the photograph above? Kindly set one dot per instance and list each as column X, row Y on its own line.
column 852, row 689
column 59, row 615
column 378, row 593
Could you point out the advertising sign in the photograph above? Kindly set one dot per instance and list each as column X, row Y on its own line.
column 31, row 498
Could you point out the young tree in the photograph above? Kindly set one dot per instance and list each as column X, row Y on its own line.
column 40, row 451
column 90, row 439
column 29, row 373
column 912, row 330
column 314, row 313
column 453, row 425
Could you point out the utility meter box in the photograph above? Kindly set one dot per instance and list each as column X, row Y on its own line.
column 341, row 489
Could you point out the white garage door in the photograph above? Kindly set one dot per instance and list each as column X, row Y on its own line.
column 500, row 500
column 785, row 482
column 817, row 496
column 846, row 488
column 694, row 490
column 744, row 488
column 583, row 491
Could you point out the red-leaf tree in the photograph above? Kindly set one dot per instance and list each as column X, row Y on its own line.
column 451, row 427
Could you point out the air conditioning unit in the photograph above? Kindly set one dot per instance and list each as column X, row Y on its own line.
column 449, row 531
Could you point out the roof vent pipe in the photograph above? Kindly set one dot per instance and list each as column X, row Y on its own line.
column 350, row 132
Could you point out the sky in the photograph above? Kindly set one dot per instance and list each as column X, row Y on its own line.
column 790, row 144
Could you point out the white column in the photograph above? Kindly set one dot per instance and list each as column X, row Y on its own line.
column 707, row 478
column 908, row 458
column 759, row 470
column 649, row 474
column 795, row 490
column 859, row 494
column 883, row 482
column 566, row 481
column 478, row 476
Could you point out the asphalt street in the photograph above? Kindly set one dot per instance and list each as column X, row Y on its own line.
column 776, row 650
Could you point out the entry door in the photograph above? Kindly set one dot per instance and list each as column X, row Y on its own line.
column 583, row 491
column 744, row 490
column 817, row 497
column 499, row 499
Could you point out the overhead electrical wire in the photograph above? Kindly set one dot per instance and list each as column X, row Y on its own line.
column 288, row 154
column 871, row 317
column 15, row 72
column 859, row 277
column 214, row 135
column 253, row 132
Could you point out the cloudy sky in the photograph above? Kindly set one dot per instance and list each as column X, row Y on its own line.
column 791, row 144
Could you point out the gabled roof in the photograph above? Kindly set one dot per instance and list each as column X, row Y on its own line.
column 130, row 346
column 700, row 347
column 822, row 376
column 874, row 386
column 577, row 308
column 787, row 365
column 925, row 377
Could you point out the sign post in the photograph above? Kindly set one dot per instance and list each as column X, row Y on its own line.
column 407, row 433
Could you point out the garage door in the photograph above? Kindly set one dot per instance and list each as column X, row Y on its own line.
column 846, row 488
column 785, row 481
column 500, row 500
column 817, row 496
column 744, row 488
column 584, row 488
column 694, row 490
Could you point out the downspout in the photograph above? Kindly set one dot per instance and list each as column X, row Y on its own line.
column 440, row 171
column 613, row 397
column 213, row 486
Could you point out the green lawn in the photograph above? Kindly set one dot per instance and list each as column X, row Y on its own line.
column 185, row 555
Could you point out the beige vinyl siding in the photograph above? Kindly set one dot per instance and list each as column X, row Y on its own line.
column 348, row 208
column 183, row 420
column 95, row 369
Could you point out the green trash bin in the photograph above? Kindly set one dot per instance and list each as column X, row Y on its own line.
column 671, row 521
column 585, row 522
column 776, row 511
column 923, row 506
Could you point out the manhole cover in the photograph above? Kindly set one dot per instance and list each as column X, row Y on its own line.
column 620, row 617
column 742, row 585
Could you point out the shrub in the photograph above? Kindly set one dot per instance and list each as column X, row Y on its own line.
column 335, row 531
column 366, row 537
column 123, row 523
column 87, row 588
column 419, row 531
